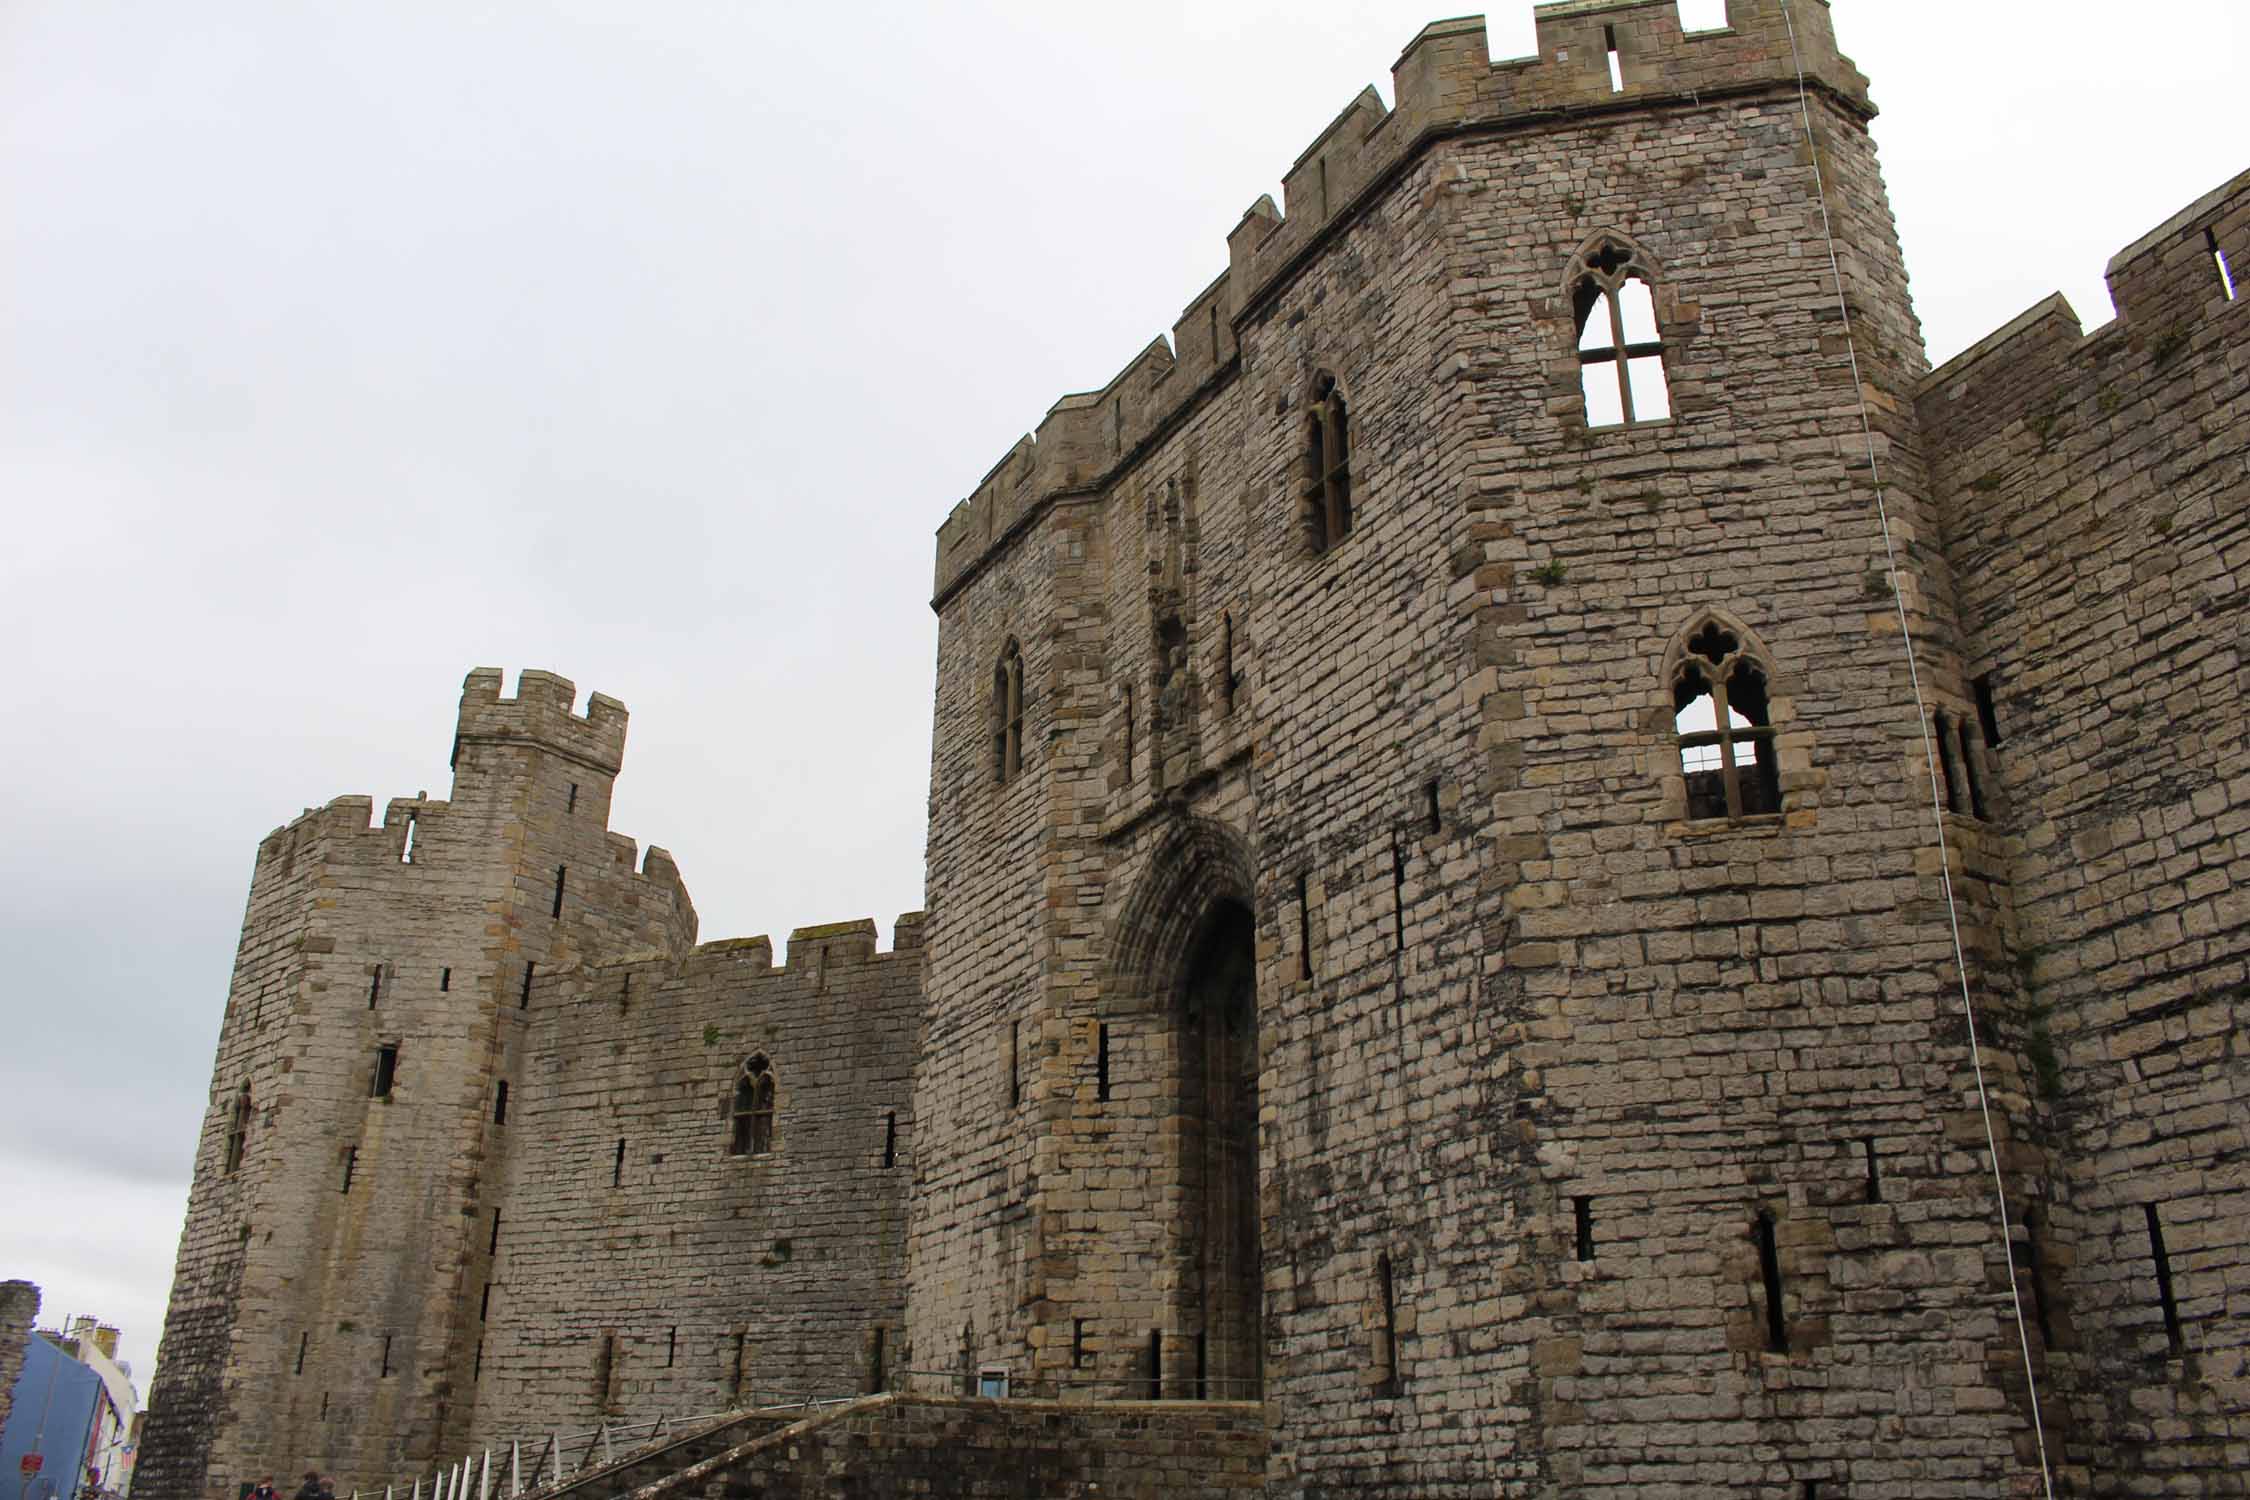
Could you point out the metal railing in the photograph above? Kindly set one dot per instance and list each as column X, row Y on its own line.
column 545, row 1462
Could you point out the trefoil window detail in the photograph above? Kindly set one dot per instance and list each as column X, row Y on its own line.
column 1007, row 715
column 1620, row 347
column 752, row 1111
column 1722, row 713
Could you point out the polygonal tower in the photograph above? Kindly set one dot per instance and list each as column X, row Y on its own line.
column 322, row 1311
column 1436, row 922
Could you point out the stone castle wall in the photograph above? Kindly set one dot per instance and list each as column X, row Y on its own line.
column 2098, row 510
column 317, row 1314
column 642, row 1270
column 1554, row 988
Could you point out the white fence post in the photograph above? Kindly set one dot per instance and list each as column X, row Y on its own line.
column 515, row 1468
column 609, row 1455
column 484, row 1485
column 554, row 1446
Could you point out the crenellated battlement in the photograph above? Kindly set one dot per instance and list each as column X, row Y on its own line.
column 346, row 827
column 2167, row 292
column 1444, row 83
column 540, row 714
column 811, row 949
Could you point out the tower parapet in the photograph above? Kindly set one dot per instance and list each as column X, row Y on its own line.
column 1445, row 83
column 540, row 714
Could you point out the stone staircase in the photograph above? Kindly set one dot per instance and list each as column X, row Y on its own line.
column 955, row 1448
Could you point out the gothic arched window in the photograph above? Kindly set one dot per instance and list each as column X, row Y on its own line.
column 238, row 1130
column 1620, row 348
column 1328, row 455
column 1725, row 725
column 752, row 1111
column 1007, row 714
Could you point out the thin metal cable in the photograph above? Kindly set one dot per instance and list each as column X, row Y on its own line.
column 1929, row 752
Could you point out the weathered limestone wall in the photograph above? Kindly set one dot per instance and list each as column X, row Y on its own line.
column 1015, row 1450
column 676, row 1278
column 2099, row 516
column 19, row 1310
column 1559, row 987
column 316, row 1318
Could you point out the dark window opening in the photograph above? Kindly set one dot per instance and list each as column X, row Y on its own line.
column 562, row 873
column 386, row 1357
column 1202, row 1366
column 238, row 1131
column 2031, row 1260
column 1227, row 678
column 1584, row 1210
column 1156, row 1364
column 671, row 1347
column 444, row 980
column 374, row 985
column 1385, row 1352
column 752, row 1111
column 1304, row 927
column 617, row 1165
column 2164, row 1294
column 523, row 1001
column 1874, row 1174
column 1969, row 770
column 1988, row 711
column 1398, row 898
column 1007, row 715
column 625, row 991
column 484, row 1303
column 406, row 851
column 2219, row 258
column 324, row 1406
column 304, row 1342
column 478, row 1372
column 890, row 1139
column 1729, row 764
column 1329, row 462
column 1101, row 1062
column 1616, row 64
column 1077, row 1343
column 1620, row 346
column 570, row 803
column 494, row 1247
column 1015, row 1063
column 1430, row 799
column 605, row 1368
column 386, row 1071
column 1812, row 1489
column 1128, row 755
column 351, row 1164
column 1769, row 1266
column 878, row 1361
column 741, row 1364
column 1947, row 776
column 500, row 1102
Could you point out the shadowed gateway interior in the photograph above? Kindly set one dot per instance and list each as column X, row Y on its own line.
column 1218, row 1010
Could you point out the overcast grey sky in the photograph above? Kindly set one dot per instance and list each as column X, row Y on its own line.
column 347, row 346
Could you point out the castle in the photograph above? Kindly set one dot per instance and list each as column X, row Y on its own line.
column 1455, row 915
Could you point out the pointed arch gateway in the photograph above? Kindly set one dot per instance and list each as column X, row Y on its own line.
column 1185, row 956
